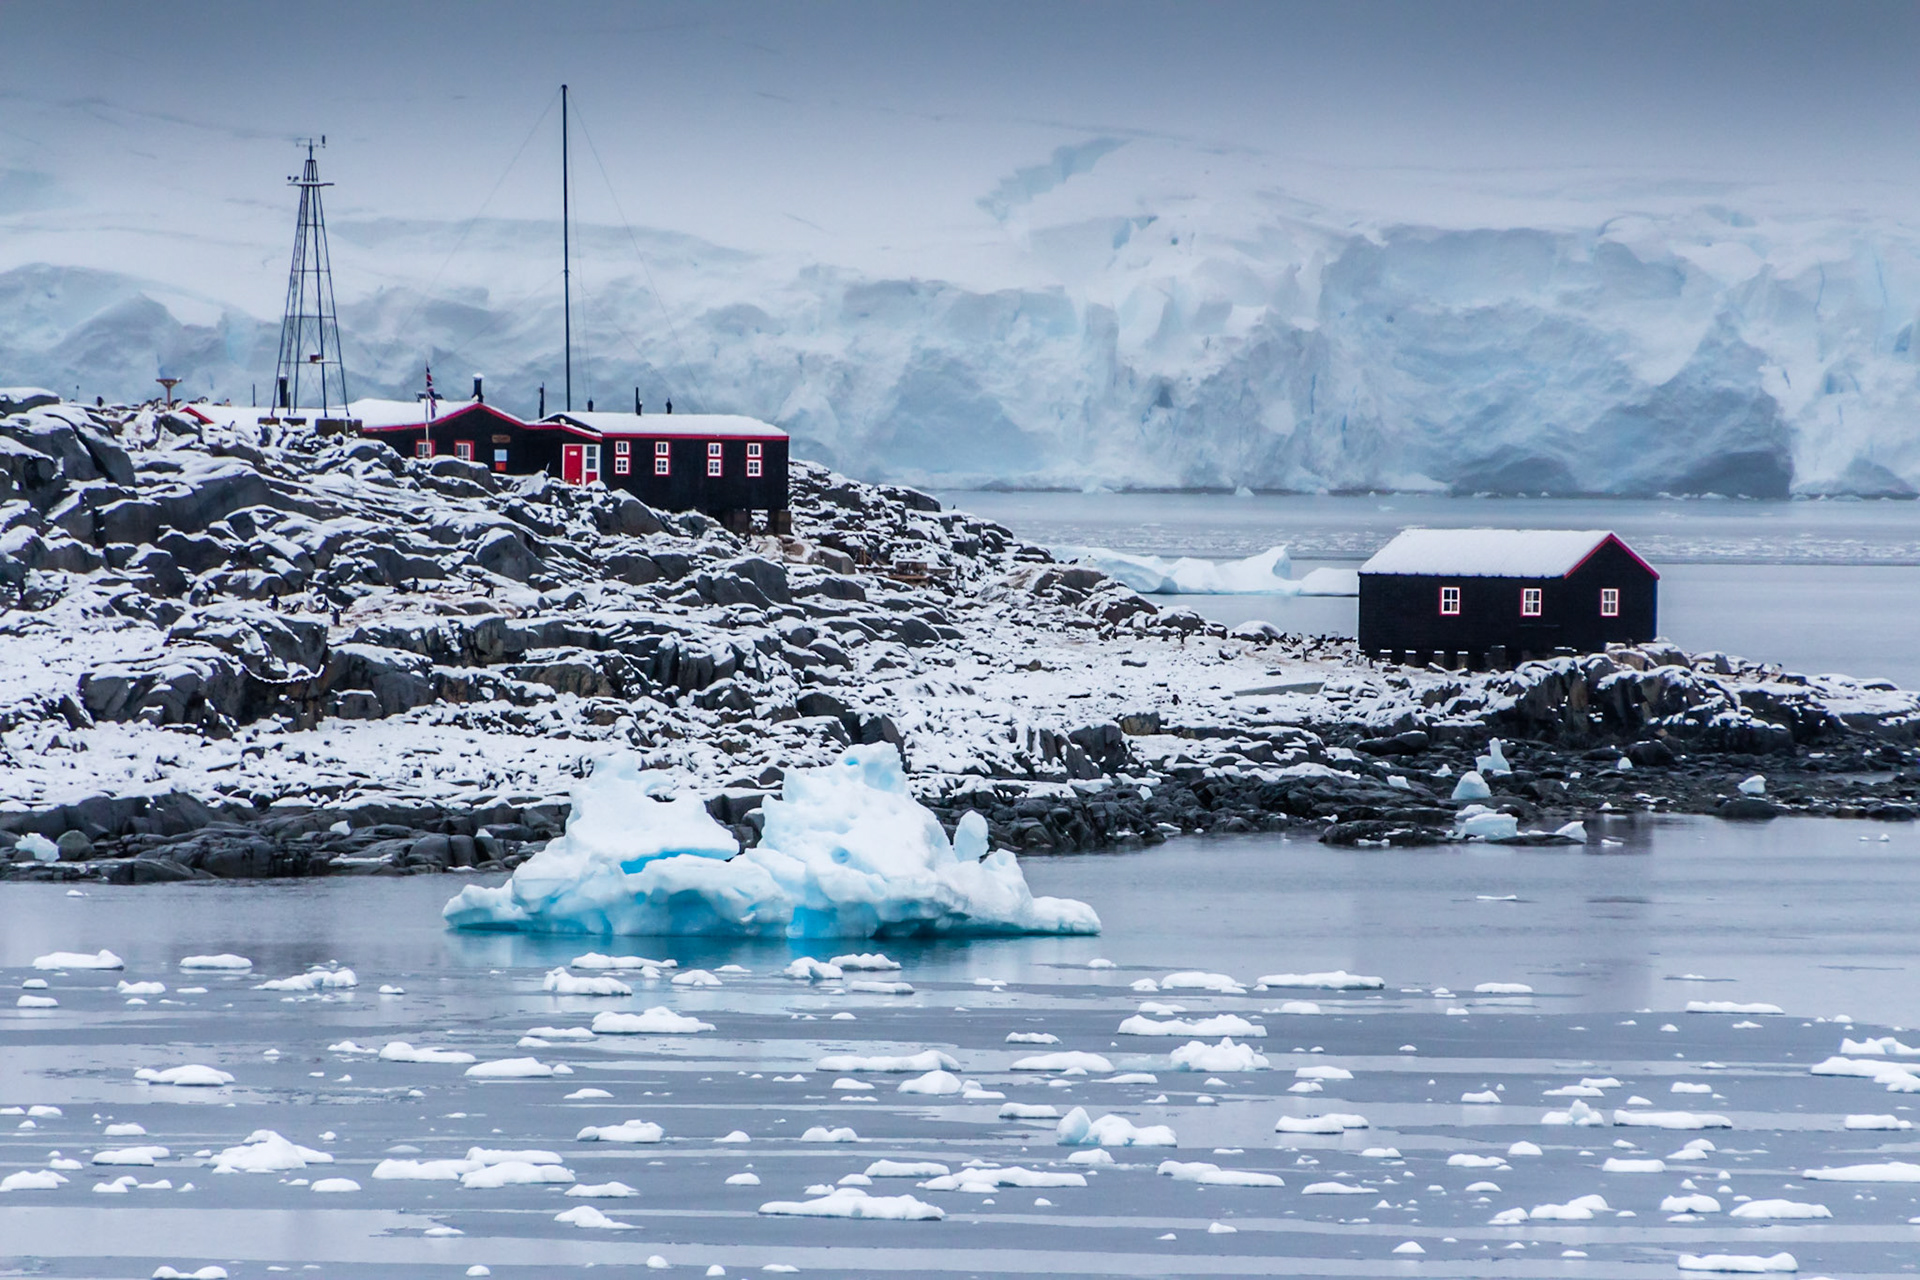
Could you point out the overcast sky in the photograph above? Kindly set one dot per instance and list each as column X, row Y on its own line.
column 155, row 138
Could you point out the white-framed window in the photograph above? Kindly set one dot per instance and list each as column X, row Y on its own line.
column 423, row 448
column 754, row 467
column 713, row 466
column 1449, row 602
column 1609, row 602
column 621, row 448
column 463, row 450
column 622, row 465
column 662, row 465
column 753, row 448
column 661, row 448
column 592, row 463
column 713, row 449
column 714, row 461
column 1529, row 602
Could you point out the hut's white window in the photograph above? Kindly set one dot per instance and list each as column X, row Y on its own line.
column 621, row 448
column 1449, row 602
column 1609, row 602
column 662, row 458
column 463, row 450
column 755, row 463
column 714, row 461
column 423, row 448
column 622, row 464
column 1529, row 602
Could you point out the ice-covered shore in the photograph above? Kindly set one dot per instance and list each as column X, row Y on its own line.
column 292, row 656
column 844, row 852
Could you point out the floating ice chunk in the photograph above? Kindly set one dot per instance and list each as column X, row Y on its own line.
column 1328, row 1072
column 1334, row 1189
column 1073, row 1060
column 907, row 1169
column 659, row 1021
column 401, row 1051
column 128, row 1130
column 141, row 988
column 870, row 961
column 1879, row 1045
column 1471, row 786
column 695, row 978
column 1220, row 1024
column 1621, row 1164
column 1578, row 1209
column 602, row 1191
column 820, row 1133
column 595, row 960
column 845, row 852
column 1333, row 1122
column 1410, row 1247
column 852, row 1202
column 1132, row 1077
column 1575, row 831
column 1485, row 1096
column 1198, row 1055
column 1196, row 980
column 192, row 1076
column 1690, row 1204
column 562, row 983
column 265, row 1151
column 1476, row 822
column 585, row 1215
column 1467, row 1160
column 37, row 847
column 1031, row 1037
column 317, row 979
column 510, row 1069
column 513, row 1173
column 1877, row 1122
column 1893, row 1171
column 204, row 1273
column 131, row 1155
column 34, row 1180
column 225, row 961
column 1213, row 1175
column 102, row 959
column 1495, row 760
column 873, row 987
column 1524, row 1148
column 743, row 1180
column 933, row 1082
column 1685, row 1086
column 1731, row 1006
column 925, row 1060
column 392, row 1170
column 331, row 1186
column 1094, row 1157
column 1335, row 980
column 1767, row 1210
column 1028, row 1111
column 1671, row 1120
column 1741, row 1263
column 1267, row 573
column 1503, row 989
column 1100, row 962
column 847, row 1084
column 979, row 1181
column 807, row 969
column 1754, row 786
column 1076, row 1129
column 36, row 1002
column 1577, row 1114
column 625, row 1131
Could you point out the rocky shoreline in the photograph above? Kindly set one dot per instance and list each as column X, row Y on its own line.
column 286, row 657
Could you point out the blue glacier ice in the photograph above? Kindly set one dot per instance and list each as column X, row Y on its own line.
column 846, row 852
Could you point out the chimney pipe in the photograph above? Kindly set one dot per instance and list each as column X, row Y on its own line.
column 543, row 401
column 589, row 406
column 284, row 403
column 669, row 406
column 636, row 402
column 476, row 390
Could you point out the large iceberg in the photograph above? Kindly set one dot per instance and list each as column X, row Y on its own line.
column 845, row 851
column 1267, row 574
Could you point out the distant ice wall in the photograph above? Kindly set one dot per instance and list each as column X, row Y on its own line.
column 1693, row 350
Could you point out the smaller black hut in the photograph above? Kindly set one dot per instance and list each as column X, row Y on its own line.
column 726, row 464
column 1491, row 597
column 472, row 431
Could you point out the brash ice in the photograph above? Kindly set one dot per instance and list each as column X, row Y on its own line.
column 845, row 852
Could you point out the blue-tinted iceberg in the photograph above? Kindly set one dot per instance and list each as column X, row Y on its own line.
column 1266, row 574
column 845, row 852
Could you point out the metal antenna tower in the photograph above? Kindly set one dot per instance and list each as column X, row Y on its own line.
column 310, row 368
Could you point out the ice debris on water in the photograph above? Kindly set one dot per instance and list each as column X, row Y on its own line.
column 1268, row 573
column 102, row 959
column 844, row 852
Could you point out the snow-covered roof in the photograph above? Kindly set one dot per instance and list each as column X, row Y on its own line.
column 1492, row 553
column 402, row 413
column 673, row 424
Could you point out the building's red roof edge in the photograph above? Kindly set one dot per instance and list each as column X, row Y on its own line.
column 1614, row 538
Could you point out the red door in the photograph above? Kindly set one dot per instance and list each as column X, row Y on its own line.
column 572, row 463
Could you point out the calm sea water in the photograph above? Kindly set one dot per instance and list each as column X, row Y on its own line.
column 1815, row 586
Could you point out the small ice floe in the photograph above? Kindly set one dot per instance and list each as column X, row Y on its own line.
column 1031, row 1037
column 735, row 1137
column 204, row 1273
column 1132, row 1077
column 265, row 1151
column 1198, row 1055
column 1622, row 1164
column 602, row 1191
column 1671, row 1120
column 807, row 969
column 1694, row 1203
column 1577, row 1114
column 1322, row 1073
column 1335, row 1189
column 1301, row 1007
column 1892, row 1171
column 1738, row 1263
column 401, row 1051
column 874, row 987
column 595, row 960
column 1578, row 1209
column 1028, row 1111
column 146, row 1155
column 1688, row 1086
column 978, row 1181
column 1483, row 1096
column 127, row 1130
column 562, row 983
column 1769, row 1210
column 641, row 1131
column 511, row 1069
column 695, row 978
column 1477, row 822
column 821, row 1133
column 1471, row 786
column 1467, row 1160
column 1072, row 1060
column 1503, row 989
column 562, row 1033
column 925, row 1060
column 852, row 1202
column 193, row 1075
column 514, row 1173
column 870, row 961
column 1334, row 980
column 847, row 1084
column 658, row 1021
column 1895, row 1077
column 225, row 961
column 36, row 1002
column 1756, row 785
column 1213, row 1175
column 1732, row 1006
column 1878, row 1045
column 1410, row 1248
column 585, row 1215
column 102, row 959
column 1100, row 962
column 907, row 1169
column 1877, row 1122
column 34, row 1180
column 933, row 1082
column 388, row 989
column 1221, row 1229
column 743, row 1180
column 126, row 988
column 1197, row 980
column 1332, row 1122
column 1076, row 1129
column 1220, row 1024
column 318, row 978
column 334, row 1186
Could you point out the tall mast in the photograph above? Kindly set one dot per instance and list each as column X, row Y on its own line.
column 566, row 245
column 310, row 326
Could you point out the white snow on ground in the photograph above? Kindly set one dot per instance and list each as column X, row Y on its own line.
column 844, row 852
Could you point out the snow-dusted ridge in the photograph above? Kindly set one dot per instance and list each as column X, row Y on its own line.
column 325, row 642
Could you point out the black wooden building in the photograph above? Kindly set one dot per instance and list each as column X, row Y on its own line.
column 1492, row 597
column 472, row 431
